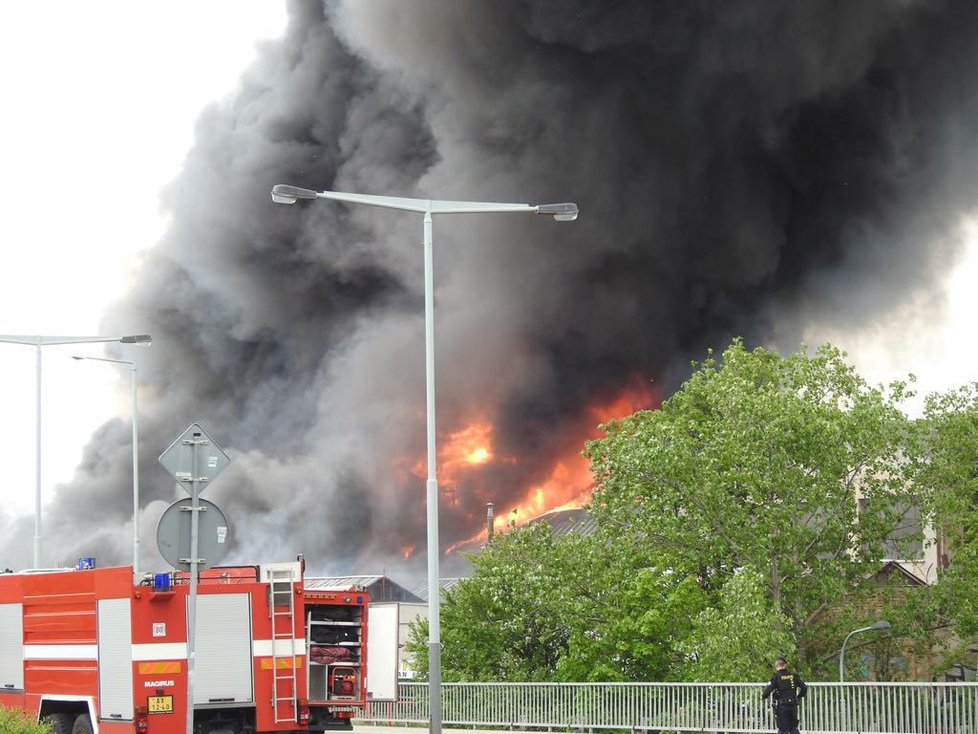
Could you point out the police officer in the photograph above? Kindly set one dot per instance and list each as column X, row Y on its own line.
column 788, row 688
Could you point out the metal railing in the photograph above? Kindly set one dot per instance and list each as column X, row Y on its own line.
column 830, row 708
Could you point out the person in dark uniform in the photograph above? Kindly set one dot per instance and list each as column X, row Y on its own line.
column 788, row 688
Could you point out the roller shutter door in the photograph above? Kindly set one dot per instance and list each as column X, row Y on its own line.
column 114, row 659
column 222, row 641
column 11, row 647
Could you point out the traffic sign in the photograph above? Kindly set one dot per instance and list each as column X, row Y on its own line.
column 193, row 536
column 178, row 459
column 173, row 534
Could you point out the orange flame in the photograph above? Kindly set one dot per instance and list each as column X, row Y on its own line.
column 630, row 401
column 467, row 447
column 569, row 483
column 567, row 486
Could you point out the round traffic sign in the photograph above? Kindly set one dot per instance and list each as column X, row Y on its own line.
column 173, row 534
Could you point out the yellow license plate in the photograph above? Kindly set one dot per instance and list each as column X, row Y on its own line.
column 160, row 704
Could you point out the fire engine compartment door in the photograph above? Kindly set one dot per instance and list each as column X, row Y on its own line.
column 223, row 663
column 115, row 659
column 383, row 650
column 11, row 647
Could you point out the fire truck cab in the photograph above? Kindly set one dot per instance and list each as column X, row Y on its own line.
column 91, row 652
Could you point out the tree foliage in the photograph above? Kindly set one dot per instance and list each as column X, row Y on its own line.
column 748, row 516
column 951, row 476
column 568, row 608
column 739, row 637
column 629, row 621
column 509, row 621
column 762, row 462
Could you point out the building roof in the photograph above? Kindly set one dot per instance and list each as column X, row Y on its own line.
column 421, row 591
column 564, row 522
column 380, row 588
column 909, row 574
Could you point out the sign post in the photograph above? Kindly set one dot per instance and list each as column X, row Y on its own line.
column 194, row 460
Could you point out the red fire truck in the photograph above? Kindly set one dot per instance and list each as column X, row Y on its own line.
column 93, row 653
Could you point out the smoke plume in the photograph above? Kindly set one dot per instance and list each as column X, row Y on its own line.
column 749, row 167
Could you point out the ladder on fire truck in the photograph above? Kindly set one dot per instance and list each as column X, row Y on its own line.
column 284, row 654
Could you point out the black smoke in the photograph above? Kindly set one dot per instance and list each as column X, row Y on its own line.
column 748, row 167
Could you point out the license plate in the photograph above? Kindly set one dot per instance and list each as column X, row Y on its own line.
column 160, row 704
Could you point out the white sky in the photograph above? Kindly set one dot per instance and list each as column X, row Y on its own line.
column 941, row 352
column 100, row 100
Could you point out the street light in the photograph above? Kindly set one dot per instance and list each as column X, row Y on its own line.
column 135, row 458
column 43, row 341
column 880, row 626
column 566, row 212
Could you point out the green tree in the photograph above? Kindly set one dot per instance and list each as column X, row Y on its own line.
column 570, row 608
column 746, row 517
column 740, row 637
column 762, row 462
column 628, row 620
column 951, row 475
column 509, row 621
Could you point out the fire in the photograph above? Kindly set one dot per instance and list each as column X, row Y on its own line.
column 568, row 484
column 630, row 401
column 479, row 456
column 462, row 449
column 470, row 466
column 407, row 551
column 470, row 446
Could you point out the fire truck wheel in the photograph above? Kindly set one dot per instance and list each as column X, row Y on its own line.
column 83, row 725
column 59, row 723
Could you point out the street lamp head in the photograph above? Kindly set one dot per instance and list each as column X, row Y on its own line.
column 566, row 212
column 143, row 340
column 880, row 626
column 286, row 194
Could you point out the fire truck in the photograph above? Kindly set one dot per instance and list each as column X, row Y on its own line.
column 90, row 651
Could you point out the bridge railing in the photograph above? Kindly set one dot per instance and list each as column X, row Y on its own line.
column 830, row 708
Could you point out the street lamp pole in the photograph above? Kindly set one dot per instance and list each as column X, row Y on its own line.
column 565, row 212
column 135, row 456
column 880, row 626
column 44, row 341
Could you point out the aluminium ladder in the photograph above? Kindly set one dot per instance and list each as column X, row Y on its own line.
column 284, row 657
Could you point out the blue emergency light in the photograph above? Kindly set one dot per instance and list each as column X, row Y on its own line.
column 161, row 582
column 85, row 564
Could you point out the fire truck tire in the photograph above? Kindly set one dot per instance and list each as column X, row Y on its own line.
column 83, row 725
column 59, row 723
